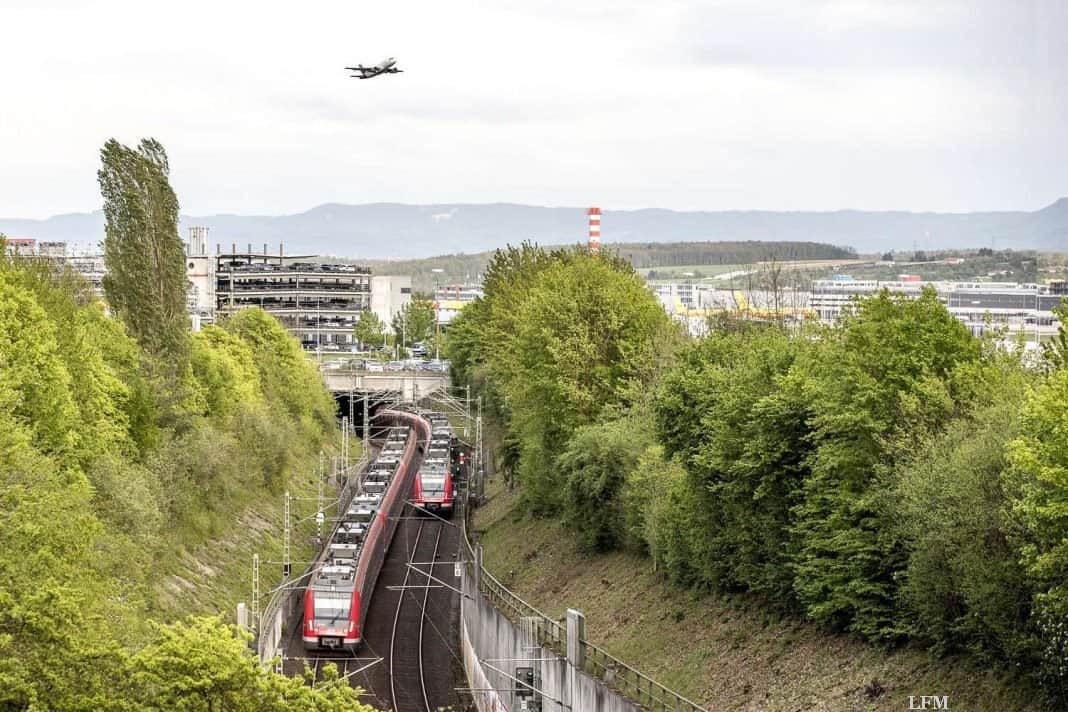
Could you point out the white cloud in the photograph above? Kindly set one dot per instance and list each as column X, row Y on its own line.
column 951, row 104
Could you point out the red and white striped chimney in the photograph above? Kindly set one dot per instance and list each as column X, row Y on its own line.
column 595, row 229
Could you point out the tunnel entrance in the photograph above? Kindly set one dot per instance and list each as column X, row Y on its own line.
column 351, row 405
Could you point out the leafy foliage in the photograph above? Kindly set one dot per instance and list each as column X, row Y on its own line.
column 594, row 464
column 201, row 664
column 415, row 322
column 146, row 282
column 91, row 470
column 963, row 588
column 1055, row 351
column 886, row 379
column 566, row 339
column 369, row 329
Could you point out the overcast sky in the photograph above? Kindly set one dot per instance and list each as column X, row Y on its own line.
column 708, row 104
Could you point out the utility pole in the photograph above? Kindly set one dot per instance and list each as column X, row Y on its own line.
column 287, row 565
column 366, row 422
column 256, row 593
column 478, row 451
column 352, row 393
column 345, row 442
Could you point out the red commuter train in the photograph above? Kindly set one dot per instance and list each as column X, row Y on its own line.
column 433, row 483
column 339, row 592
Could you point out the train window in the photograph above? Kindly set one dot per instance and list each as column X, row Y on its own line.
column 331, row 607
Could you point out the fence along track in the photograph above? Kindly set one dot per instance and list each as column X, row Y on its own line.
column 598, row 663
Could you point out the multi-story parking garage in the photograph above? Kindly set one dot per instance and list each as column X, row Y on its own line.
column 317, row 302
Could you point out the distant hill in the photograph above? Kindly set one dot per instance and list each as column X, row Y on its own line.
column 382, row 230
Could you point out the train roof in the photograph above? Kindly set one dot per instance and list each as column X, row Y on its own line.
column 335, row 577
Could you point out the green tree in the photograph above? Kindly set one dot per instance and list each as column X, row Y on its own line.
column 595, row 464
column 734, row 411
column 369, row 330
column 588, row 339
column 415, row 322
column 963, row 587
column 287, row 378
column 888, row 378
column 200, row 664
column 1038, row 483
column 55, row 648
column 1055, row 351
column 146, row 282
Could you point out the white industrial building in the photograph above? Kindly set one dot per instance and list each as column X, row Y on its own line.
column 389, row 295
column 1022, row 308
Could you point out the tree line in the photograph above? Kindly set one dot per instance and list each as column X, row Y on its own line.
column 429, row 272
column 890, row 476
column 124, row 438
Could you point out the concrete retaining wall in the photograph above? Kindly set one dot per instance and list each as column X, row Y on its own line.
column 493, row 647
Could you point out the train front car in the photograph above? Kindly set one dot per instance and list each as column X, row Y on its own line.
column 332, row 610
column 433, row 484
column 433, row 489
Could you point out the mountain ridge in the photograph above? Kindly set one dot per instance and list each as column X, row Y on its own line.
column 402, row 230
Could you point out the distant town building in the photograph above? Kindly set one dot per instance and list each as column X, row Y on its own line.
column 92, row 267
column 20, row 246
column 1023, row 308
column 52, row 250
column 458, row 292
column 389, row 295
column 450, row 299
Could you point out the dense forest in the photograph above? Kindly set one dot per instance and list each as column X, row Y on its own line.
column 891, row 476
column 126, row 438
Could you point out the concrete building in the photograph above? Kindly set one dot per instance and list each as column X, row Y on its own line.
column 24, row 246
column 389, row 295
column 450, row 299
column 92, row 266
column 52, row 250
column 1023, row 308
column 200, row 274
column 458, row 292
column 318, row 303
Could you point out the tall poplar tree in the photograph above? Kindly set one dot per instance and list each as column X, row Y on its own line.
column 146, row 282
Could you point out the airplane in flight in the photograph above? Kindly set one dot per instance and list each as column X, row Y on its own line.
column 386, row 66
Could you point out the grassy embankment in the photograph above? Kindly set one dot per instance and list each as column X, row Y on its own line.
column 726, row 652
column 214, row 575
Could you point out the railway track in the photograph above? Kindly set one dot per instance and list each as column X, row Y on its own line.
column 410, row 622
column 410, row 628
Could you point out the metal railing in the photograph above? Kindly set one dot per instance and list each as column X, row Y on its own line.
column 597, row 662
column 268, row 628
column 644, row 690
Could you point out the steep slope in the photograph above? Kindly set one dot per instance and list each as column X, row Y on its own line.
column 724, row 652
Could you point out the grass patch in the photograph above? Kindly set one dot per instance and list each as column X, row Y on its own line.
column 214, row 576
